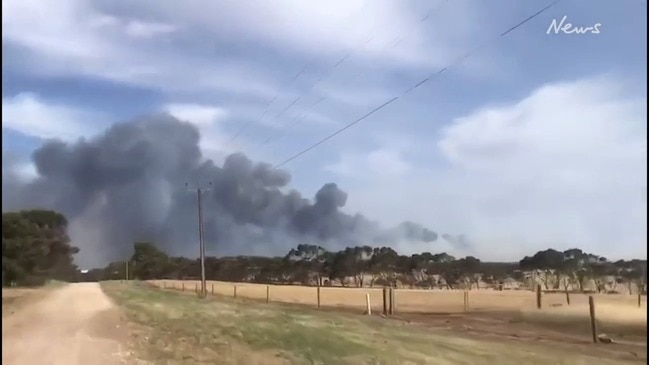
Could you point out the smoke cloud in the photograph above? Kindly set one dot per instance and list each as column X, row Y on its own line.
column 129, row 184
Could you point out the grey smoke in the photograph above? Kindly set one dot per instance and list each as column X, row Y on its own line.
column 128, row 184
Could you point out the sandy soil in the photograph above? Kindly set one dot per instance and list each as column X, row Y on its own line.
column 75, row 324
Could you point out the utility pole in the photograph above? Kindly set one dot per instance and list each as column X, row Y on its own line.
column 201, row 235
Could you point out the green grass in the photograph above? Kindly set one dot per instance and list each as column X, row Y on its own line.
column 180, row 328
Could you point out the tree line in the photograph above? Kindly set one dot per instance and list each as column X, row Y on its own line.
column 36, row 248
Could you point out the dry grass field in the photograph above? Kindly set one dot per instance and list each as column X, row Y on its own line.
column 176, row 327
column 408, row 300
column 617, row 314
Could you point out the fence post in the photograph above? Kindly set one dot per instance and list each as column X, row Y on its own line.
column 639, row 300
column 391, row 307
column 183, row 286
column 593, row 321
column 235, row 291
column 385, row 301
column 466, row 300
column 267, row 293
column 567, row 297
column 538, row 296
column 212, row 289
column 318, row 296
column 369, row 305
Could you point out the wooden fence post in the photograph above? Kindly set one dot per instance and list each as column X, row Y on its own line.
column 466, row 300
column 368, row 304
column 267, row 293
column 593, row 321
column 212, row 289
column 639, row 300
column 391, row 307
column 235, row 291
column 183, row 286
column 567, row 297
column 385, row 301
column 318, row 289
column 538, row 296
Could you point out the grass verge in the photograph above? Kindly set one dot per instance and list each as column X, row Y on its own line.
column 178, row 328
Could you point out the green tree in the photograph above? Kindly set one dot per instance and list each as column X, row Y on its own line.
column 148, row 262
column 36, row 248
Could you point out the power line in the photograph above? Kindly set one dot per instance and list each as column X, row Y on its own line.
column 394, row 43
column 417, row 85
column 268, row 104
column 398, row 40
column 313, row 61
column 295, row 121
column 308, row 90
column 337, row 132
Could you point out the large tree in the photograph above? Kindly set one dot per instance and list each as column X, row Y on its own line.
column 36, row 248
column 149, row 262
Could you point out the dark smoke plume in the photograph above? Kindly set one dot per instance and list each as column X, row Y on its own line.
column 128, row 184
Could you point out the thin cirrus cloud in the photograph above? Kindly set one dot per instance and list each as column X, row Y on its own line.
column 93, row 38
column 74, row 38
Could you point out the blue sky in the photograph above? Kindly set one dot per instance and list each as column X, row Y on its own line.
column 535, row 140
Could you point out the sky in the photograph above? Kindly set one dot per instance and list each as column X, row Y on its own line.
column 537, row 139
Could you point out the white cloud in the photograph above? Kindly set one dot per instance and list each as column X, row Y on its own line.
column 16, row 168
column 385, row 163
column 27, row 114
column 330, row 27
column 146, row 30
column 565, row 166
column 176, row 46
column 26, row 171
column 209, row 119
column 73, row 37
column 201, row 115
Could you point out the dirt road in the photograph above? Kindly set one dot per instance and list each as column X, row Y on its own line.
column 75, row 324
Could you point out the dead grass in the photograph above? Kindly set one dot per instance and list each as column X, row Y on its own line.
column 617, row 313
column 409, row 300
column 221, row 330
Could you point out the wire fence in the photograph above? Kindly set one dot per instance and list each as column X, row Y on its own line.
column 621, row 314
